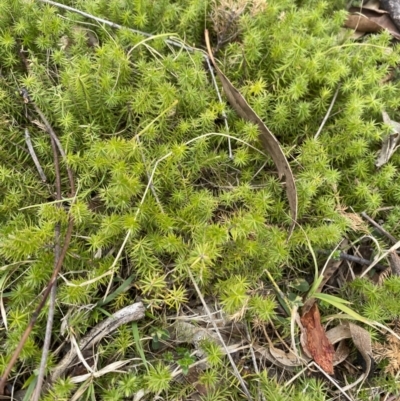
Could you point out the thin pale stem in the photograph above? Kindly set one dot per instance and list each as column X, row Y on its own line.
column 327, row 113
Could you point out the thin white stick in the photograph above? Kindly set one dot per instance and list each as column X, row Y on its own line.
column 384, row 255
column 33, row 155
column 172, row 42
column 332, row 381
column 327, row 113
column 103, row 21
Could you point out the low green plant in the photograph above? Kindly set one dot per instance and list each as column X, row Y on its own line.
column 139, row 120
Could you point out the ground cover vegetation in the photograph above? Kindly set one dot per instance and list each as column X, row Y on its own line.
column 156, row 198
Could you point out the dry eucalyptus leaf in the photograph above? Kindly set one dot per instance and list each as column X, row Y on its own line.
column 280, row 358
column 361, row 23
column 361, row 339
column 268, row 140
column 288, row 359
column 389, row 144
column 368, row 19
column 341, row 354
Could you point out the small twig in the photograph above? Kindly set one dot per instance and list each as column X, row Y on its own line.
column 33, row 155
column 356, row 259
column 53, row 292
column 384, row 255
column 153, row 190
column 379, row 228
column 38, row 309
column 172, row 42
column 49, row 328
column 254, row 359
column 53, row 135
column 58, row 263
column 106, row 327
column 327, row 113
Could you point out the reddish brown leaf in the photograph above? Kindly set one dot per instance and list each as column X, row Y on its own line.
column 317, row 342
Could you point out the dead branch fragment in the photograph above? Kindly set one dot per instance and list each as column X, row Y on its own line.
column 106, row 327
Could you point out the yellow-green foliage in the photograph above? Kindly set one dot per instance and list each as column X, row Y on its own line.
column 109, row 95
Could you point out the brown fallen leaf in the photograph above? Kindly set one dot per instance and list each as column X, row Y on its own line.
column 370, row 20
column 362, row 341
column 285, row 360
column 268, row 140
column 361, row 23
column 317, row 343
column 338, row 334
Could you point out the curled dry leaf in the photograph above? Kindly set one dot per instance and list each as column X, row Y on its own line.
column 286, row 360
column 339, row 334
column 362, row 341
column 268, row 140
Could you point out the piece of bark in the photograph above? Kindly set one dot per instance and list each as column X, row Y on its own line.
column 393, row 8
column 394, row 263
column 317, row 343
